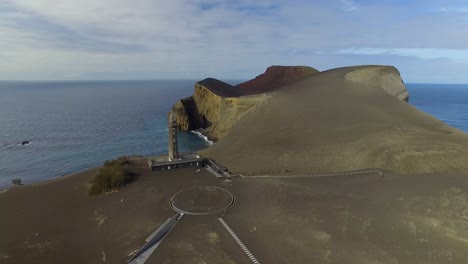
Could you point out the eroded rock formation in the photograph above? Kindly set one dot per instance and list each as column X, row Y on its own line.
column 385, row 77
column 216, row 106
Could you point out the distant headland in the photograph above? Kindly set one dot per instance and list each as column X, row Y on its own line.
column 216, row 106
column 297, row 119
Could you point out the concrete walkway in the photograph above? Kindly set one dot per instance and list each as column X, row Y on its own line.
column 153, row 241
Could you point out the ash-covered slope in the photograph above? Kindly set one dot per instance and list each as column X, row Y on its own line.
column 276, row 77
column 342, row 119
column 216, row 106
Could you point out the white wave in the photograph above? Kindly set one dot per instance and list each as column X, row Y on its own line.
column 199, row 134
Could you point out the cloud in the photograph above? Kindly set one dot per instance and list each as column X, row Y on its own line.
column 349, row 5
column 454, row 9
column 49, row 39
column 420, row 53
column 187, row 32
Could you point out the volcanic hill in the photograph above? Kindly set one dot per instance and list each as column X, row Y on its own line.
column 339, row 120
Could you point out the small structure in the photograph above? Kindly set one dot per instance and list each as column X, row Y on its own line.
column 173, row 141
column 191, row 160
column 174, row 160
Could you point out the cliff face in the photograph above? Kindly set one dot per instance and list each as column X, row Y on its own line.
column 216, row 106
column 214, row 115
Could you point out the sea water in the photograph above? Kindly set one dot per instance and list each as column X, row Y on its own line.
column 447, row 102
column 72, row 126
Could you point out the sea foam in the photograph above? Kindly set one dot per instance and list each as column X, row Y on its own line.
column 198, row 133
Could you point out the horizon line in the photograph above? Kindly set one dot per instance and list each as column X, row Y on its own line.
column 182, row 79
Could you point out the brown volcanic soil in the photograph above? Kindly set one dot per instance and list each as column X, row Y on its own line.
column 57, row 222
column 328, row 123
column 343, row 219
column 220, row 88
column 276, row 77
column 353, row 219
column 273, row 78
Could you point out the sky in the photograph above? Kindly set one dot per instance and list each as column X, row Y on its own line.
column 427, row 40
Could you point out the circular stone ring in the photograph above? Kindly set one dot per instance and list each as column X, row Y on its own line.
column 201, row 200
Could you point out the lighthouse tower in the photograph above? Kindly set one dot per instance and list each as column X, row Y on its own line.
column 173, row 146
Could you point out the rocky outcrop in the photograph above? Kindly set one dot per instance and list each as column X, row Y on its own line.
column 212, row 114
column 385, row 77
column 216, row 106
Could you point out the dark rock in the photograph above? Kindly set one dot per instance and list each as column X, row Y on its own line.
column 17, row 182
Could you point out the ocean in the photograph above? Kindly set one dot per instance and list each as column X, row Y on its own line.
column 448, row 103
column 73, row 126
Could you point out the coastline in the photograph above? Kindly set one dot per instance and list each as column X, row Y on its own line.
column 88, row 135
column 92, row 170
column 88, row 171
column 51, row 174
column 320, row 218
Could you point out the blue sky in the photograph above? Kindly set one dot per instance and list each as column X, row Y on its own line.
column 427, row 40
